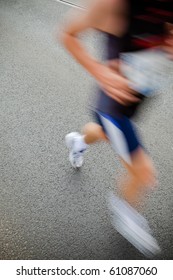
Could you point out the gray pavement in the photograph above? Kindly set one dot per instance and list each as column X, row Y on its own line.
column 47, row 209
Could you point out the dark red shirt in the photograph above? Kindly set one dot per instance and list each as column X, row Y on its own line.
column 147, row 22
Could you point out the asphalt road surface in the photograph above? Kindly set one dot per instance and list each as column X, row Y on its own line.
column 47, row 209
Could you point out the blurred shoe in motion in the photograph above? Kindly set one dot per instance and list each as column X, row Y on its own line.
column 77, row 147
column 132, row 226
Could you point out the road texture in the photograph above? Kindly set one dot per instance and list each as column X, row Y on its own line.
column 47, row 209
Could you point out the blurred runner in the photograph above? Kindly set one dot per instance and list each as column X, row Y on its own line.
column 129, row 26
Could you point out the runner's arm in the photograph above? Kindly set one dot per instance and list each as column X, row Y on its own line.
column 87, row 19
column 112, row 83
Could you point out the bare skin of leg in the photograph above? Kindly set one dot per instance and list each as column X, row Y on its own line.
column 141, row 175
column 92, row 133
column 141, row 172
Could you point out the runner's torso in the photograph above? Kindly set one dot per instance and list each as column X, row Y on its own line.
column 145, row 30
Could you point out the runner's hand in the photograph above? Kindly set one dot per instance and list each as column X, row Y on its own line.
column 115, row 85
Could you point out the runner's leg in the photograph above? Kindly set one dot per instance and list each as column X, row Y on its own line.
column 125, row 217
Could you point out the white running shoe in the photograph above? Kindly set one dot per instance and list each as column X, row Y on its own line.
column 77, row 146
column 132, row 226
